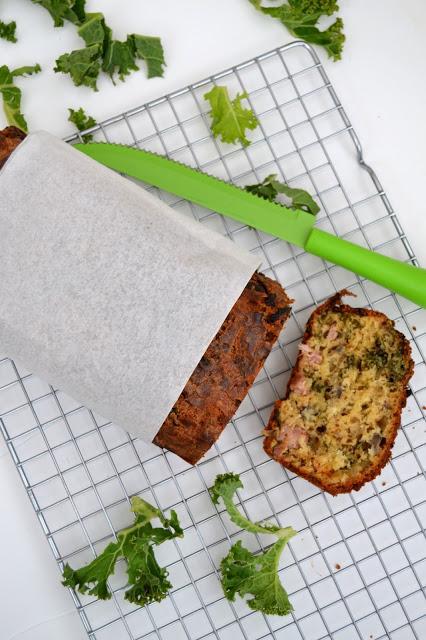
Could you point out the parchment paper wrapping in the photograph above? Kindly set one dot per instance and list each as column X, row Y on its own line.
column 105, row 291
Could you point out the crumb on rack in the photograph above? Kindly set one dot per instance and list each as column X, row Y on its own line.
column 414, row 328
column 337, row 566
column 383, row 484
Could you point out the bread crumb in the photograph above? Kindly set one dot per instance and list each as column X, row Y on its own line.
column 383, row 484
column 414, row 328
column 424, row 407
column 337, row 566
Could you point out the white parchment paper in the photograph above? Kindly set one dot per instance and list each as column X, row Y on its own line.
column 105, row 291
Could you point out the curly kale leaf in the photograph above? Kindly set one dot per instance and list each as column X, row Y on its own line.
column 82, row 121
column 12, row 95
column 301, row 18
column 148, row 582
column 270, row 188
column 242, row 571
column 230, row 119
column 256, row 576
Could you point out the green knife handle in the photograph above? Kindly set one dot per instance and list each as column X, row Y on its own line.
column 406, row 279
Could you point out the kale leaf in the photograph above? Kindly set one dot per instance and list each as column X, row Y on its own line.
column 93, row 29
column 102, row 52
column 270, row 188
column 150, row 49
column 148, row 582
column 12, row 95
column 249, row 574
column 82, row 121
column 256, row 575
column 301, row 18
column 61, row 10
column 8, row 31
column 229, row 118
column 83, row 65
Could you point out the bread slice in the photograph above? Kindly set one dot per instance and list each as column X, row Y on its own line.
column 339, row 419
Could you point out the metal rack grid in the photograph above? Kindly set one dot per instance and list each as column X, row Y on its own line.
column 357, row 569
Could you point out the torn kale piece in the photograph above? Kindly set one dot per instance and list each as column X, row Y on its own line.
column 147, row 581
column 301, row 18
column 8, row 31
column 270, row 188
column 82, row 121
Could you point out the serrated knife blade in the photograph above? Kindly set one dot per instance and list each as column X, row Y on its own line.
column 295, row 226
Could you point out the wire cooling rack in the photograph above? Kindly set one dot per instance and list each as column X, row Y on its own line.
column 358, row 566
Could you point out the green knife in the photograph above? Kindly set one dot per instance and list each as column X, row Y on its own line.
column 295, row 226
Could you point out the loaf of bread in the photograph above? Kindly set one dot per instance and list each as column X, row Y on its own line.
column 228, row 368
column 340, row 416
column 9, row 140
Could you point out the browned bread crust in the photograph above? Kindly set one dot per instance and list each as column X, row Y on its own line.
column 227, row 370
column 356, row 481
column 9, row 140
column 229, row 366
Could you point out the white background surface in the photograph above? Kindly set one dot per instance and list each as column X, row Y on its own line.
column 381, row 83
